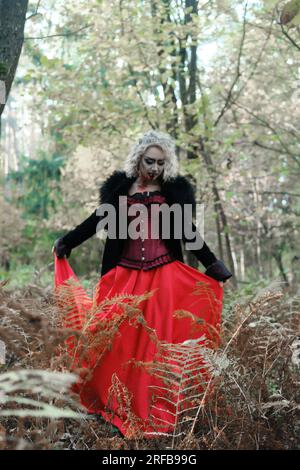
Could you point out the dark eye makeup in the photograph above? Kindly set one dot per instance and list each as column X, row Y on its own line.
column 149, row 161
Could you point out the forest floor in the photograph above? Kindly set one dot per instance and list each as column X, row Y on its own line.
column 255, row 402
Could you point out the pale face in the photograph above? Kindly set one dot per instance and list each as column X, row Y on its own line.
column 152, row 164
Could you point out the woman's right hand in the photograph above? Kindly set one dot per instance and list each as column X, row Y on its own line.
column 60, row 249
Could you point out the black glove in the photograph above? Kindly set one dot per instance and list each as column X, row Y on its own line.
column 218, row 271
column 61, row 249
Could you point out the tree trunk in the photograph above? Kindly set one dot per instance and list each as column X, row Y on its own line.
column 218, row 205
column 187, row 82
column 12, row 23
column 278, row 258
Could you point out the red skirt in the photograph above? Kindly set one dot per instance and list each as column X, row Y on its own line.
column 138, row 367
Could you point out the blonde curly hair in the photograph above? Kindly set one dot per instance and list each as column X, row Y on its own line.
column 149, row 139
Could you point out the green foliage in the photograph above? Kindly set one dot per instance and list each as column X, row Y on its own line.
column 229, row 195
column 191, row 166
column 34, row 246
column 49, row 63
column 21, row 275
column 38, row 180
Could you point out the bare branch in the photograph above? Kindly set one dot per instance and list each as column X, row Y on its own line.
column 266, row 124
column 36, row 11
column 71, row 33
column 289, row 37
column 238, row 72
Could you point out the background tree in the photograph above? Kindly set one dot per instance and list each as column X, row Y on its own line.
column 221, row 77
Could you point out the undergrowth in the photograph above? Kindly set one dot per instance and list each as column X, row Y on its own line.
column 249, row 401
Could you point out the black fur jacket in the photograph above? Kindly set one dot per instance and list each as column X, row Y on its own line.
column 178, row 190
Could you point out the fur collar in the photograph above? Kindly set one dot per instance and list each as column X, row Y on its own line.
column 179, row 189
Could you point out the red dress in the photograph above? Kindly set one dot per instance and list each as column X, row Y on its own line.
column 138, row 369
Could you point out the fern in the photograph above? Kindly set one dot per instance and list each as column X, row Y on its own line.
column 48, row 386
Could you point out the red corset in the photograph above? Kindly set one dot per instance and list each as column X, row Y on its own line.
column 145, row 252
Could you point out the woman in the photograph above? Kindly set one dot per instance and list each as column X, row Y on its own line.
column 165, row 302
